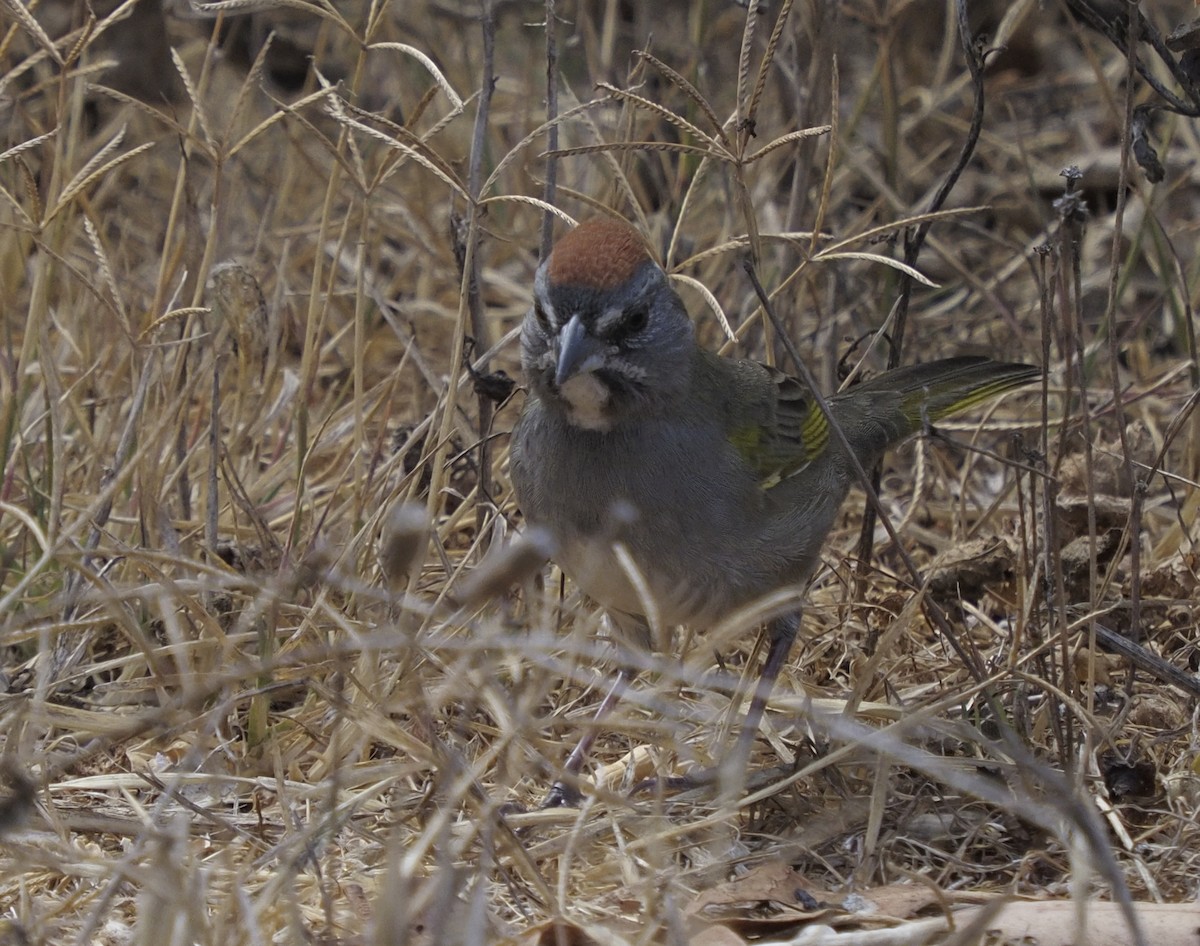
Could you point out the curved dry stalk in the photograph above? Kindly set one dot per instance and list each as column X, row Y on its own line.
column 826, row 256
column 93, row 171
column 443, row 174
column 106, row 270
column 698, row 177
column 740, row 243
column 285, row 110
column 322, row 8
column 897, row 225
column 532, row 202
column 199, row 114
column 397, row 132
column 75, row 41
column 711, row 301
column 253, row 80
column 511, row 155
column 743, row 70
column 334, row 108
column 666, row 115
column 155, row 114
column 27, row 145
column 173, row 315
column 21, row 13
column 331, row 147
column 430, row 66
column 764, row 66
column 827, row 178
column 814, row 132
column 627, row 146
column 689, row 90
column 591, row 202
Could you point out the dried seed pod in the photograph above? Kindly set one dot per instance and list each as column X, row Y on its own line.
column 403, row 543
column 239, row 307
column 503, row 567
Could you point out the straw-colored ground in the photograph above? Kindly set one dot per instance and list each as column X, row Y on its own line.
column 233, row 341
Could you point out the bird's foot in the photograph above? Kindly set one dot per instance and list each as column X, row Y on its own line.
column 561, row 795
column 751, row 780
column 674, row 784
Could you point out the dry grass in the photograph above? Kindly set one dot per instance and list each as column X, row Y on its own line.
column 223, row 724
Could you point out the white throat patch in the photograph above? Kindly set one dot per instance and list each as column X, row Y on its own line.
column 587, row 398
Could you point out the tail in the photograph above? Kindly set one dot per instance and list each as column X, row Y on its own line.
column 885, row 410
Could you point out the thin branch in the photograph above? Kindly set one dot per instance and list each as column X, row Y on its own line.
column 550, row 188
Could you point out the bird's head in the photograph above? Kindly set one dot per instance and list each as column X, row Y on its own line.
column 607, row 339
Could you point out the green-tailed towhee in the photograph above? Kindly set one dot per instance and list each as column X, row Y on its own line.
column 720, row 477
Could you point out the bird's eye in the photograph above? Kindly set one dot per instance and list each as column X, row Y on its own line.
column 636, row 319
column 539, row 313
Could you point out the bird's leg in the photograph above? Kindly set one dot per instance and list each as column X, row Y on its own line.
column 732, row 772
column 782, row 632
column 563, row 792
column 628, row 631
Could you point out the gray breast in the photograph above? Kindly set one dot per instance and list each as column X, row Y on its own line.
column 676, row 498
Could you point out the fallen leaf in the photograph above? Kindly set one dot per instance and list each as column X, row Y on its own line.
column 775, row 882
column 566, row 933
column 900, row 901
column 1052, row 923
column 716, row 935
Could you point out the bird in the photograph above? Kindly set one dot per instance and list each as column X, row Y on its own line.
column 718, row 477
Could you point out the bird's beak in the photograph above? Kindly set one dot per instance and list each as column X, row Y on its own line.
column 577, row 351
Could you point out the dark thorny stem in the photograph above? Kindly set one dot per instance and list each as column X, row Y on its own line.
column 1042, row 518
column 69, row 645
column 474, row 294
column 1068, row 801
column 1073, row 216
column 1134, row 526
column 970, row 659
column 1125, row 33
column 913, row 243
column 550, row 190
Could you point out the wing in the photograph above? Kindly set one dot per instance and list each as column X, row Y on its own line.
column 770, row 419
column 780, row 430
